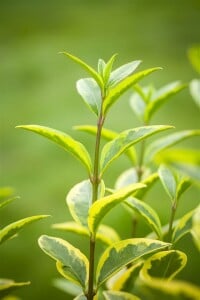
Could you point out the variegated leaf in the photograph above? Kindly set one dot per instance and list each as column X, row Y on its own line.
column 116, row 295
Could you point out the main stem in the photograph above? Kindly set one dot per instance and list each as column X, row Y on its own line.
column 95, row 180
column 173, row 212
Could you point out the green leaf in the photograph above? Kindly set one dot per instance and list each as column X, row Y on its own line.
column 101, row 66
column 195, row 90
column 186, row 155
column 79, row 200
column 164, row 264
column 190, row 170
column 6, row 192
column 67, row 286
column 8, row 285
column 123, row 72
column 184, row 226
column 158, row 289
column 108, row 68
column 13, row 228
column 168, row 181
column 81, row 297
column 183, row 185
column 122, row 253
column 71, row 263
column 105, row 234
column 138, row 105
column 123, row 86
column 91, row 93
column 63, row 140
column 115, row 295
column 126, row 139
column 127, row 177
column 196, row 227
column 8, row 201
column 86, row 67
column 101, row 207
column 194, row 57
column 148, row 181
column 168, row 141
column 161, row 96
column 147, row 213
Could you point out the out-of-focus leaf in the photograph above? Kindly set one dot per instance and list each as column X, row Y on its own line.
column 8, row 285
column 6, row 192
column 86, row 67
column 108, row 68
column 147, row 213
column 67, row 286
column 123, row 72
column 63, row 140
column 127, row 177
column 194, row 57
column 161, row 96
column 101, row 66
column 89, row 90
column 168, row 181
column 168, row 141
column 183, row 185
column 196, row 227
column 186, row 155
column 165, row 264
column 125, row 140
column 81, row 297
column 13, row 228
column 116, row 295
column 123, row 86
column 101, row 207
column 122, row 253
column 195, row 90
column 190, row 170
column 70, row 261
column 148, row 181
column 138, row 105
column 8, row 201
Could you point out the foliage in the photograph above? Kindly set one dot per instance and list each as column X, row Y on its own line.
column 134, row 268
column 7, row 286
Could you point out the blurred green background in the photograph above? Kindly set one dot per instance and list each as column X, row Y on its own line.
column 37, row 86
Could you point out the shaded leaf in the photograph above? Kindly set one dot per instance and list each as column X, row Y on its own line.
column 190, row 170
column 183, row 185
column 194, row 57
column 195, row 90
column 122, row 72
column 86, row 67
column 10, row 230
column 147, row 213
column 8, row 201
column 101, row 207
column 67, row 286
column 168, row 141
column 122, row 253
column 126, row 139
column 7, row 286
column 63, row 140
column 6, row 192
column 148, row 181
column 91, row 93
column 71, row 263
column 196, row 227
column 123, row 86
column 168, row 181
column 165, row 264
column 116, row 295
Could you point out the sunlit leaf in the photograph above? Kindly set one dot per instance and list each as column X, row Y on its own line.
column 122, row 253
column 168, row 181
column 108, row 68
column 63, row 140
column 89, row 90
column 161, row 96
column 115, row 295
column 147, row 213
column 71, row 263
column 168, row 141
column 67, row 286
column 122, row 72
column 123, row 86
column 79, row 200
column 164, row 264
column 13, row 228
column 195, row 90
column 7, row 286
column 86, row 67
column 101, row 207
column 126, row 139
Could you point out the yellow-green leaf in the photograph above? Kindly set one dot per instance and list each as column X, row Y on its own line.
column 115, row 295
column 8, row 285
column 101, row 207
column 63, row 140
column 123, row 86
column 164, row 264
column 86, row 67
column 13, row 228
column 126, row 139
column 195, row 90
column 168, row 181
column 8, row 201
column 67, row 286
column 122, row 253
column 71, row 262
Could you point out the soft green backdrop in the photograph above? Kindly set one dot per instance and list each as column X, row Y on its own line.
column 37, row 85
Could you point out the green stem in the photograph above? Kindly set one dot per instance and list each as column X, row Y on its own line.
column 95, row 180
column 173, row 212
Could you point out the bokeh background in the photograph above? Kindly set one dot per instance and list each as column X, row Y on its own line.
column 37, row 86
